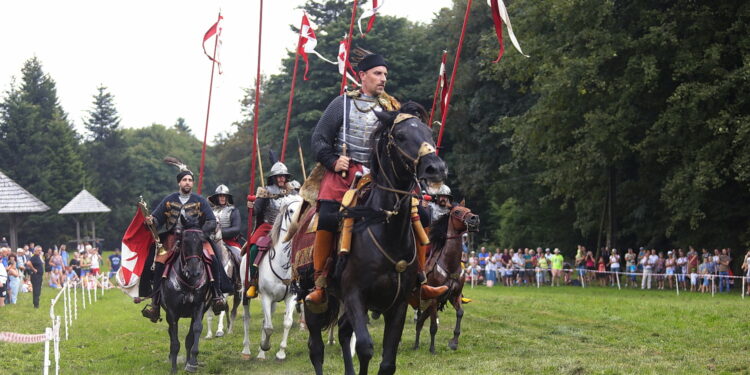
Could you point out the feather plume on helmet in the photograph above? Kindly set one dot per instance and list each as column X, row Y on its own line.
column 182, row 167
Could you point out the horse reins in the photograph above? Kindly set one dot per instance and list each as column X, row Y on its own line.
column 183, row 264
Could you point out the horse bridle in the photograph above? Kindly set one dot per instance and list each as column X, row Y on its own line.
column 183, row 262
column 424, row 150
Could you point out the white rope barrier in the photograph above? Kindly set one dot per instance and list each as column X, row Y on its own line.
column 684, row 276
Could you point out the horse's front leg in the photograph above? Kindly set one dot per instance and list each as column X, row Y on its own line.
column 246, row 328
column 266, row 329
column 345, row 338
column 220, row 327
column 209, row 323
column 233, row 315
column 191, row 342
column 315, row 347
column 288, row 322
column 394, row 327
column 358, row 318
column 174, row 340
column 433, row 327
column 458, row 305
column 421, row 317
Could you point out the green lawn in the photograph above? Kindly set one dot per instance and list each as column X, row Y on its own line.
column 564, row 330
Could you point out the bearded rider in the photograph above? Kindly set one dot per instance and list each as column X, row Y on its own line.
column 228, row 218
column 267, row 205
column 167, row 213
column 341, row 148
column 440, row 206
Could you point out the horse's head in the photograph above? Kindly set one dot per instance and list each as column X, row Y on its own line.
column 407, row 141
column 191, row 245
column 462, row 219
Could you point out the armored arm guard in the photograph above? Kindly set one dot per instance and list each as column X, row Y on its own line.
column 325, row 133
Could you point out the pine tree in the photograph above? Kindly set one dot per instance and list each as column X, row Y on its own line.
column 103, row 120
column 43, row 150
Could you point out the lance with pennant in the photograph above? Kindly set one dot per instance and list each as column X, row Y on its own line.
column 291, row 91
column 253, row 157
column 348, row 46
column 444, row 115
column 215, row 29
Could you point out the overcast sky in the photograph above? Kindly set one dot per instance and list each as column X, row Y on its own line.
column 148, row 53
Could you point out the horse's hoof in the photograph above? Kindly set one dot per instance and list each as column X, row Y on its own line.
column 261, row 356
column 208, row 336
column 416, row 347
column 191, row 368
column 453, row 345
column 432, row 350
column 220, row 334
column 280, row 356
column 245, row 357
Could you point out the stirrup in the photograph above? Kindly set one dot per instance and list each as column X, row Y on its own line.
column 317, row 307
column 151, row 312
column 252, row 292
column 465, row 300
column 218, row 305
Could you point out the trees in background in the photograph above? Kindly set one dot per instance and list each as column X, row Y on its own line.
column 628, row 124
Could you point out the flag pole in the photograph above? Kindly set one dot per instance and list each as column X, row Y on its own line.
column 444, row 115
column 291, row 92
column 251, row 195
column 301, row 160
column 208, row 111
column 437, row 87
column 348, row 46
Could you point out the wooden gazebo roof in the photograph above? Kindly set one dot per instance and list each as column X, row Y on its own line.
column 15, row 199
column 84, row 203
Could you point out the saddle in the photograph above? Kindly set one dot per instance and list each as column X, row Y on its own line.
column 263, row 243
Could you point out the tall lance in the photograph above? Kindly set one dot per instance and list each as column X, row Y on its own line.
column 453, row 77
column 438, row 87
column 301, row 160
column 251, row 195
column 208, row 111
column 348, row 48
column 291, row 92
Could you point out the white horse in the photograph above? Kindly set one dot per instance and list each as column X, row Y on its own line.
column 274, row 278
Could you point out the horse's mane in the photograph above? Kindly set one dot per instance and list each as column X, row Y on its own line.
column 439, row 232
column 277, row 224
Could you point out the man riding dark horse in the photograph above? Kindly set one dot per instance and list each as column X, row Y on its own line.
column 167, row 213
column 267, row 204
column 342, row 143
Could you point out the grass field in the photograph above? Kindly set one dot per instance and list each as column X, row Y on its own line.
column 565, row 330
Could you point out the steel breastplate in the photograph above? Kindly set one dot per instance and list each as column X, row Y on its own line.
column 275, row 198
column 359, row 127
column 224, row 215
column 436, row 212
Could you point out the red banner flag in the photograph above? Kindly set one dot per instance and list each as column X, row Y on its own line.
column 135, row 246
column 369, row 13
column 500, row 15
column 307, row 41
column 215, row 29
column 443, row 84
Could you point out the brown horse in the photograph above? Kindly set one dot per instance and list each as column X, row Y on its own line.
column 444, row 268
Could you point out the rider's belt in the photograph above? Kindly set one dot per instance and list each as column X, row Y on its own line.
column 419, row 231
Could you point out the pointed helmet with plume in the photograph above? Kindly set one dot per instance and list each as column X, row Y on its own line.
column 183, row 169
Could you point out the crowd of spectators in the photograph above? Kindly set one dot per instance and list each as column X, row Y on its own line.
column 645, row 269
column 30, row 267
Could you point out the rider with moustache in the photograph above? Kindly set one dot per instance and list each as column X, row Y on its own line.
column 343, row 143
column 167, row 213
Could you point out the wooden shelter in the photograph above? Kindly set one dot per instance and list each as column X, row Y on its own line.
column 82, row 206
column 15, row 201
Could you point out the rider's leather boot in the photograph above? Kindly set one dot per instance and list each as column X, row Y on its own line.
column 321, row 252
column 427, row 292
column 152, row 310
column 218, row 304
column 252, row 290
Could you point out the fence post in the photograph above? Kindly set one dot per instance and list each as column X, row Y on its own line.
column 48, row 333
column 83, row 293
column 75, row 300
column 677, row 284
column 56, row 333
column 617, row 276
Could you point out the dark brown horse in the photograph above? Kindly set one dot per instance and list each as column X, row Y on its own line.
column 185, row 292
column 381, row 270
column 444, row 268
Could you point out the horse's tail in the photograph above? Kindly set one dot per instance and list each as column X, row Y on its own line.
column 332, row 314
